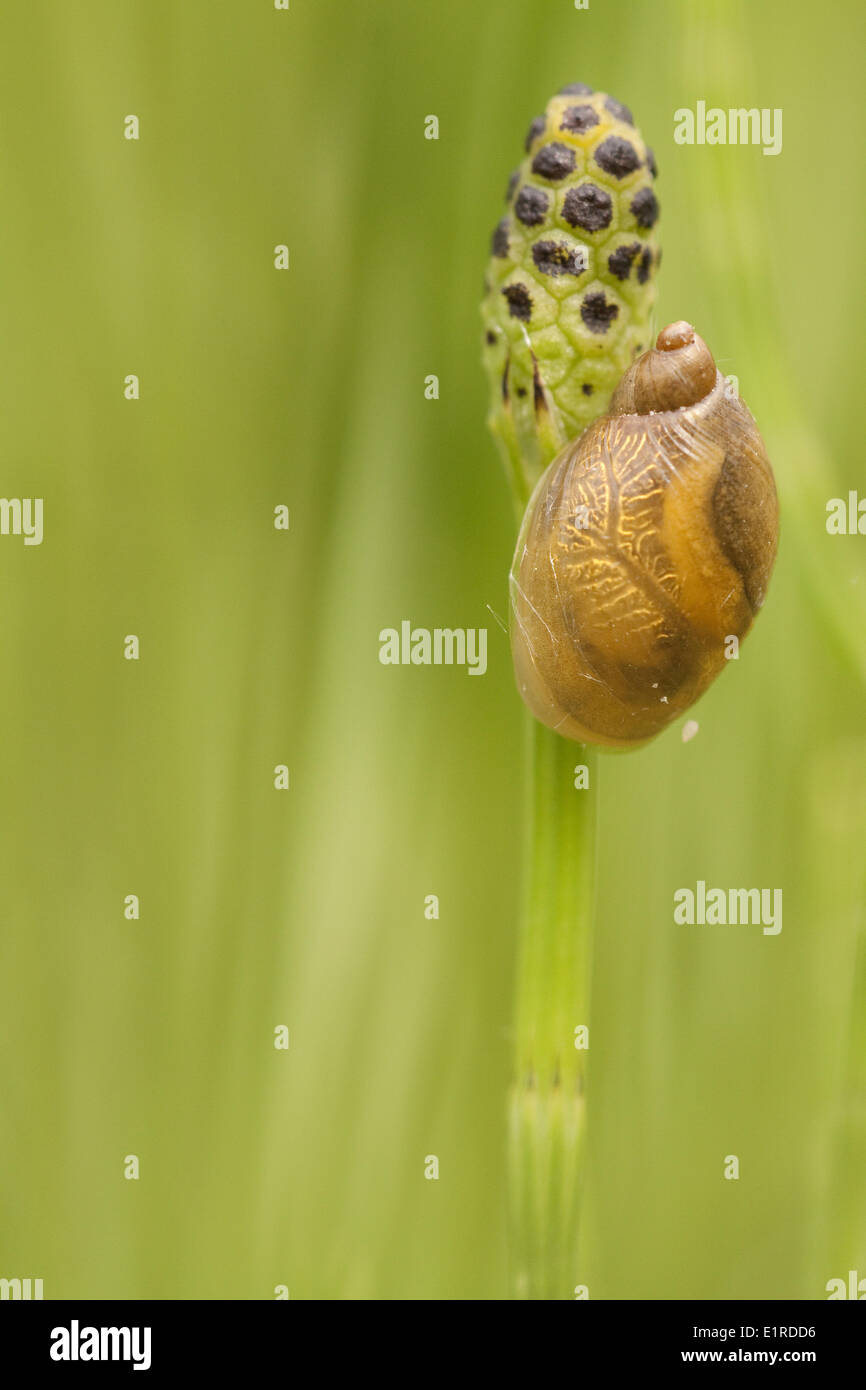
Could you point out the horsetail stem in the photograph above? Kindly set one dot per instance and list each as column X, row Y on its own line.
column 568, row 302
column 547, row 1102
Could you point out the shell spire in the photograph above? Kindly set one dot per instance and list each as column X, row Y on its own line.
column 679, row 371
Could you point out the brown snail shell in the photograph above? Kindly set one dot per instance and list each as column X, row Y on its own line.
column 648, row 543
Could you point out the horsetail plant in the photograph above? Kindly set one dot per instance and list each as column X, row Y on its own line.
column 570, row 286
column 568, row 302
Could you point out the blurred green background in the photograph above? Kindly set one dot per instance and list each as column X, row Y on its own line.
column 258, row 647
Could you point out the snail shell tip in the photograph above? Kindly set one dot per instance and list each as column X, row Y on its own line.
column 676, row 335
column 679, row 371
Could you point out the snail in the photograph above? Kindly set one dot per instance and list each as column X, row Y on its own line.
column 647, row 544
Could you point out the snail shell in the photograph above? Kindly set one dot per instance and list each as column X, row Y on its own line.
column 647, row 543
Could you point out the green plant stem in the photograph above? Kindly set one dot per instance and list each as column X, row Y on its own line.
column 548, row 1098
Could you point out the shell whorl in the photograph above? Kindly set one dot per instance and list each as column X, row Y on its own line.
column 678, row 372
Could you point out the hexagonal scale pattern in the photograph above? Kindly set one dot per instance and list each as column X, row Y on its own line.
column 571, row 284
